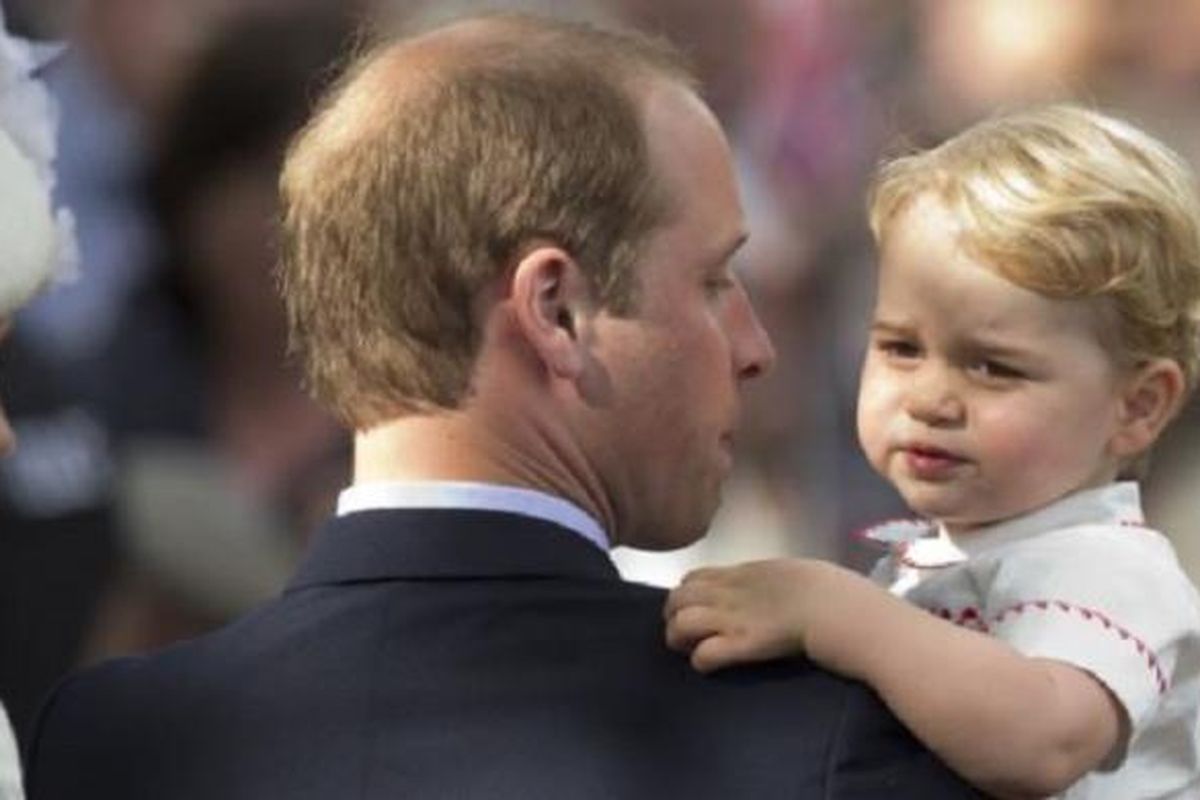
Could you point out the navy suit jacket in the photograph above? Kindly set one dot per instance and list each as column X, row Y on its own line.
column 463, row 654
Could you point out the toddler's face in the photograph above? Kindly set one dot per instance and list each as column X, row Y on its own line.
column 979, row 399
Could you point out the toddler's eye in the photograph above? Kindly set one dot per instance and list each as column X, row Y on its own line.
column 997, row 370
column 899, row 348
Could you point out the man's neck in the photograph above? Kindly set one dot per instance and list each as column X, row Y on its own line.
column 456, row 446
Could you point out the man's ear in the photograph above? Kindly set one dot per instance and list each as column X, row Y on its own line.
column 1150, row 398
column 550, row 297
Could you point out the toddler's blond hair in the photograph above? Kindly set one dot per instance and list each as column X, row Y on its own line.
column 1071, row 203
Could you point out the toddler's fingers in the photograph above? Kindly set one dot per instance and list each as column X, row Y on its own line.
column 689, row 626
column 685, row 595
column 716, row 652
column 702, row 574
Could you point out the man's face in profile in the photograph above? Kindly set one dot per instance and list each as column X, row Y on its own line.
column 677, row 363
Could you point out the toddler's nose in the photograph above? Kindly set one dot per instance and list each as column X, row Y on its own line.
column 933, row 399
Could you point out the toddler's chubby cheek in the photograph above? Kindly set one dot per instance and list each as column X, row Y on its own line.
column 876, row 418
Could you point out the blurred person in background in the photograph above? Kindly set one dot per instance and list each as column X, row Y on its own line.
column 117, row 86
column 58, row 533
column 980, row 57
column 111, row 358
column 52, row 551
column 215, row 508
column 35, row 245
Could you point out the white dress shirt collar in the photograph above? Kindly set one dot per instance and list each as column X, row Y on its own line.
column 468, row 495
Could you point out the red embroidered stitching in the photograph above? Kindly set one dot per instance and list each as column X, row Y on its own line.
column 971, row 618
column 966, row 618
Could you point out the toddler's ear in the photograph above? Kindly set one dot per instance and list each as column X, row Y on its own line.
column 1149, row 401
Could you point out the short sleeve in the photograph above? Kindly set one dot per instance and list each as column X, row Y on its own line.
column 1111, row 601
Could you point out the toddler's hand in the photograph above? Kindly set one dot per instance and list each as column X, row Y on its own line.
column 750, row 612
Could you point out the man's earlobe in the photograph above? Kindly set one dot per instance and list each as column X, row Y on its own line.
column 548, row 293
column 1150, row 399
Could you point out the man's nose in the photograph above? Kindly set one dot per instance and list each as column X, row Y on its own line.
column 753, row 353
column 933, row 396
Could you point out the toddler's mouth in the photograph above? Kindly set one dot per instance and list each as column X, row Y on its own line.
column 931, row 462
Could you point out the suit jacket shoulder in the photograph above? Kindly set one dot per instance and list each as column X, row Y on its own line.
column 464, row 655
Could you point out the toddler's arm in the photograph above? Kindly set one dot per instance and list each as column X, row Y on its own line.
column 1014, row 726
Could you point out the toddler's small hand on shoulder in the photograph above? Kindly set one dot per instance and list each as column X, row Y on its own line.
column 732, row 615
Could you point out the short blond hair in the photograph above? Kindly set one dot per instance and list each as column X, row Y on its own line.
column 418, row 182
column 1071, row 203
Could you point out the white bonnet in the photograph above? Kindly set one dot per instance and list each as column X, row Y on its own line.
column 36, row 243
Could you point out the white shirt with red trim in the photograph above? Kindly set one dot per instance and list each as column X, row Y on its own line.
column 1081, row 581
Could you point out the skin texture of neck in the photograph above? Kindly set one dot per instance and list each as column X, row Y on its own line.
column 522, row 450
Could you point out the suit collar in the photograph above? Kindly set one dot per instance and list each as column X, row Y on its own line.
column 379, row 495
column 446, row 544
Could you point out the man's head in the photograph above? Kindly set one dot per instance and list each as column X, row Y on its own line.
column 426, row 172
column 523, row 230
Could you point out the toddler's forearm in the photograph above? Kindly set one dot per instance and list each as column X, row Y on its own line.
column 1012, row 725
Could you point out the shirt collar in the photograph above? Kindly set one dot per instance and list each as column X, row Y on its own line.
column 1111, row 504
column 929, row 546
column 465, row 494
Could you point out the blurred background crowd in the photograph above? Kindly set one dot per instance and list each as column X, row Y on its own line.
column 170, row 469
